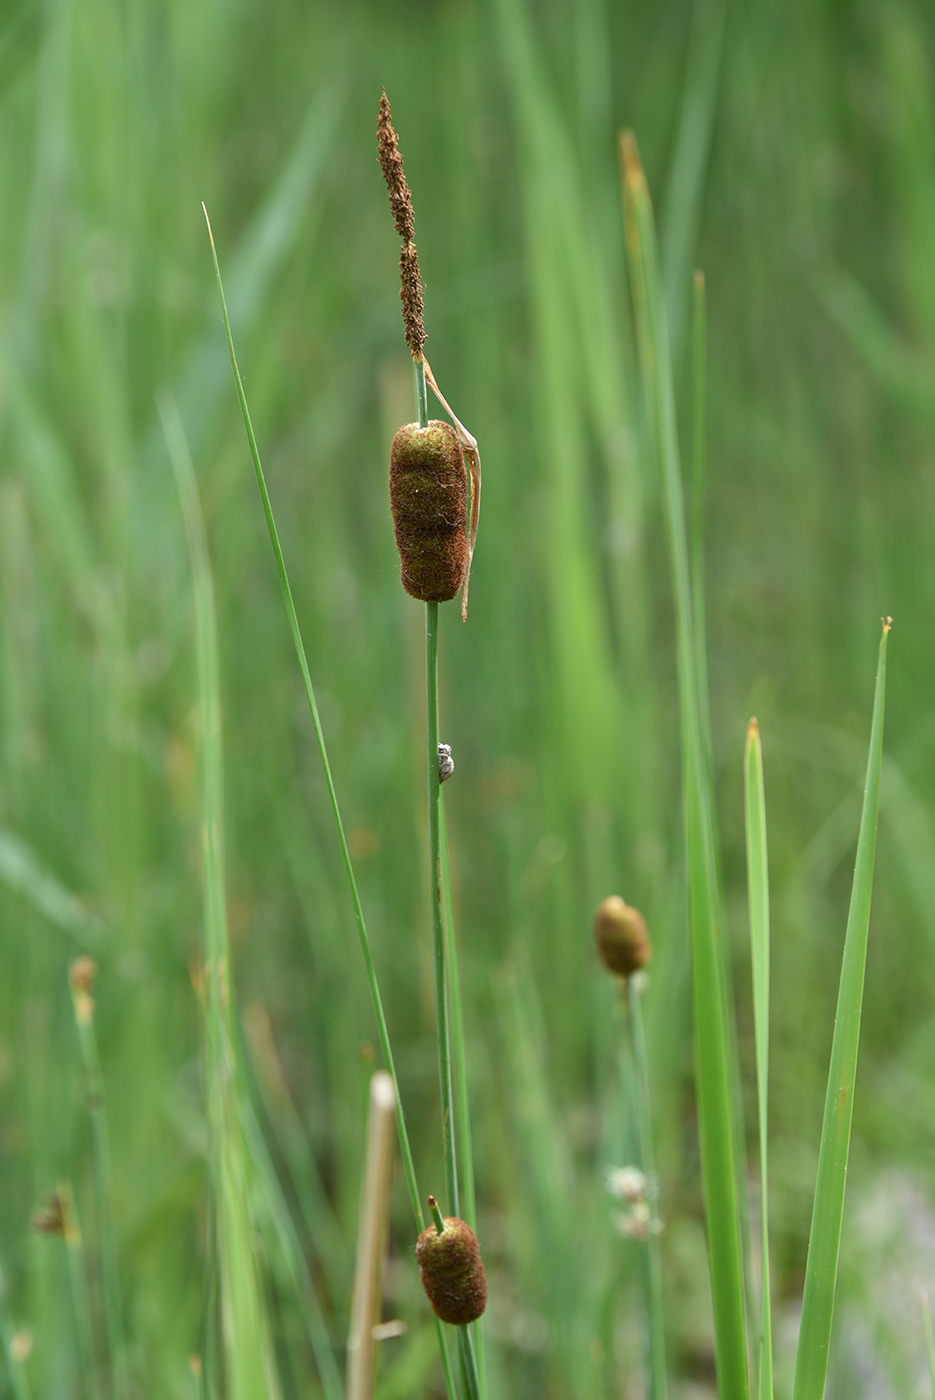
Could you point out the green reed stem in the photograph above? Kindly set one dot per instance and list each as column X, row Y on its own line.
column 462, row 1092
column 458, row 1055
column 438, row 928
column 465, row 1342
column 103, row 1196
column 652, row 1260
column 422, row 396
column 758, row 899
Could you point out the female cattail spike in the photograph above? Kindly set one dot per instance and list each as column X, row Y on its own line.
column 452, row 1271
column 622, row 940
column 428, row 497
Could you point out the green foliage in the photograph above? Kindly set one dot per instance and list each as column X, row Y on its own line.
column 789, row 153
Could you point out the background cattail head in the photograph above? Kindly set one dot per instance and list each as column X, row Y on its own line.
column 452, row 1271
column 428, row 498
column 621, row 936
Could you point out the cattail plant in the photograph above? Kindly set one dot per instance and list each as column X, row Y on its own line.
column 428, row 497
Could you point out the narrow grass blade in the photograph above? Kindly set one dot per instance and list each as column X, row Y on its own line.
column 249, row 1363
column 685, row 192
column 713, row 1055
column 758, row 895
column 824, row 1243
column 375, row 996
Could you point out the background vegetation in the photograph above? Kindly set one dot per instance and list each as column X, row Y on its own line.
column 791, row 151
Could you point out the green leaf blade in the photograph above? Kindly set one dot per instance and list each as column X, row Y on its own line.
column 758, row 895
column 717, row 1108
column 811, row 1364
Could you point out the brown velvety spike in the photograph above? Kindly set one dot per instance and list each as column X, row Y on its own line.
column 428, row 498
column 452, row 1271
column 622, row 940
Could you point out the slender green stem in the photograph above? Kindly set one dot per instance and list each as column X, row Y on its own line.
column 438, row 1219
column 458, row 1055
column 376, row 999
column 658, row 1388
column 422, row 397
column 758, row 893
column 469, row 1373
column 103, row 1195
column 462, row 1092
column 438, row 928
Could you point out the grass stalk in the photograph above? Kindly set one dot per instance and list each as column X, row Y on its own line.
column 824, row 1243
column 652, row 1259
column 438, row 927
column 758, row 896
column 713, row 1056
column 103, row 1188
column 462, row 1087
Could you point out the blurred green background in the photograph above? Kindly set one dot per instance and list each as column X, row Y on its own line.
column 790, row 148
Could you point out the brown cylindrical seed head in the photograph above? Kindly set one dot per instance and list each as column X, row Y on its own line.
column 428, row 498
column 452, row 1271
column 622, row 940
